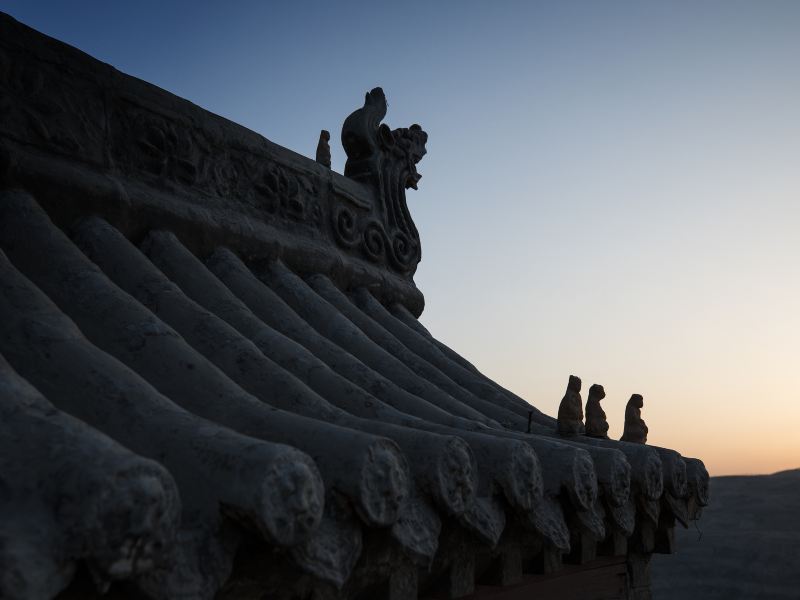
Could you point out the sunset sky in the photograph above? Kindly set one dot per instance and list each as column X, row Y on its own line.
column 612, row 189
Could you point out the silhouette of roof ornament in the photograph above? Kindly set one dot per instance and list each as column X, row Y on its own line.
column 596, row 423
column 385, row 159
column 324, row 148
column 570, row 411
column 635, row 427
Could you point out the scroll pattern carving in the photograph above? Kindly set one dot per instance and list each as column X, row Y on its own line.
column 345, row 226
column 397, row 251
column 374, row 244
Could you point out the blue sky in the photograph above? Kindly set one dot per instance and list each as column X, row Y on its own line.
column 611, row 188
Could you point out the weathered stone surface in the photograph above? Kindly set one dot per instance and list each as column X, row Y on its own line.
column 549, row 521
column 676, row 480
column 401, row 323
column 368, row 470
column 647, row 466
column 447, row 473
column 335, row 327
column 72, row 494
column 486, row 519
column 417, row 530
column 275, row 489
column 388, row 343
column 698, row 480
column 331, row 390
column 623, row 518
column 332, row 553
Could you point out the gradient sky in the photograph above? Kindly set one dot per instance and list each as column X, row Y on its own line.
column 612, row 189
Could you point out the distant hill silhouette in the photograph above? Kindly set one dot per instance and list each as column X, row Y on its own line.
column 750, row 544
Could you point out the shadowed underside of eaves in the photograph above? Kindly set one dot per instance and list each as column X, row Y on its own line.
column 213, row 382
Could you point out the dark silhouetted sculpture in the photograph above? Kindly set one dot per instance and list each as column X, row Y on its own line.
column 570, row 411
column 635, row 427
column 324, row 148
column 596, row 424
column 385, row 159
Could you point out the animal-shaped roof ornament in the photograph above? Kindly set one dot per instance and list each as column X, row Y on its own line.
column 570, row 411
column 386, row 159
column 596, row 423
column 635, row 427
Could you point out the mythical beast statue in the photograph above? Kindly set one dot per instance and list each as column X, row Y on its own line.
column 387, row 160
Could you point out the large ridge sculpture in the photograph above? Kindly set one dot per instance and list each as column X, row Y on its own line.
column 387, row 160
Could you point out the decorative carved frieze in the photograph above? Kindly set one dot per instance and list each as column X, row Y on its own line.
column 64, row 106
column 46, row 106
column 176, row 154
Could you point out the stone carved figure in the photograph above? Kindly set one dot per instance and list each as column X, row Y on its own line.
column 635, row 428
column 596, row 424
column 324, row 148
column 570, row 411
column 386, row 159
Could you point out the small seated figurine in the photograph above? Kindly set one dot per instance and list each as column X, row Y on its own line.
column 596, row 424
column 570, row 411
column 635, row 427
column 324, row 148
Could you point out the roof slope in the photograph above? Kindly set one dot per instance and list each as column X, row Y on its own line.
column 213, row 379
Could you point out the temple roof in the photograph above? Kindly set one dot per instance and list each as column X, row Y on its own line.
column 215, row 383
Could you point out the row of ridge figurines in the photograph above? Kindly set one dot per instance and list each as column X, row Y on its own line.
column 570, row 414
